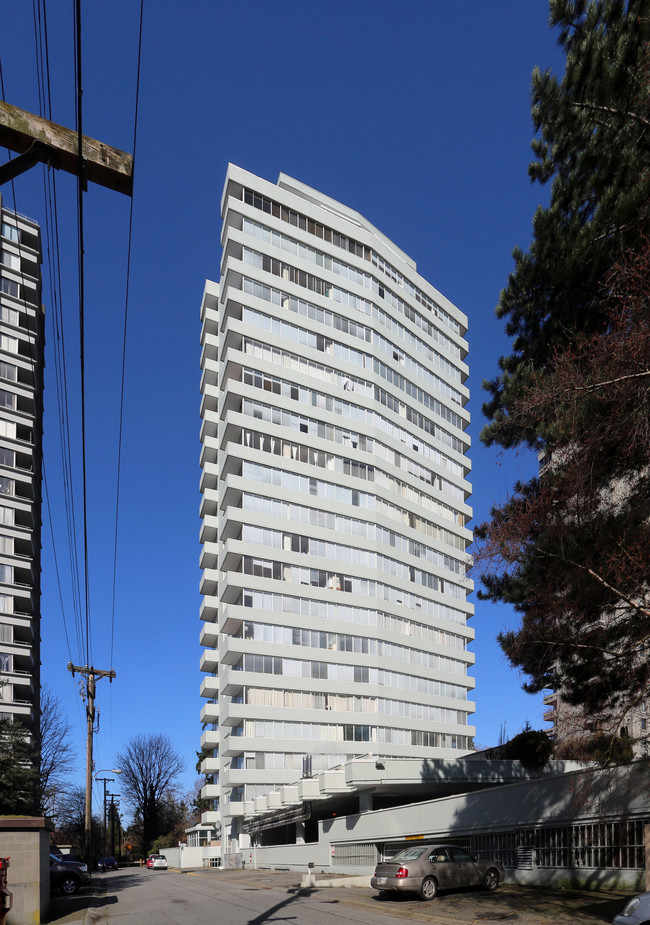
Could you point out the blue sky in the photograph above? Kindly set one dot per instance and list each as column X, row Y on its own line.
column 417, row 114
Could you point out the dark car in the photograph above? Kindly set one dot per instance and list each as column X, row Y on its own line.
column 425, row 869
column 107, row 864
column 66, row 874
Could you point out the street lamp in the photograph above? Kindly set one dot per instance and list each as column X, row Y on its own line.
column 105, row 781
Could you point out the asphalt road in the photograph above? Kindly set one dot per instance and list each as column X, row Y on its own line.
column 139, row 896
column 148, row 897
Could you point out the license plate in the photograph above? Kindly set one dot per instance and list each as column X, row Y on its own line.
column 382, row 879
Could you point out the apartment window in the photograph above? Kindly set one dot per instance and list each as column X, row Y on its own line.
column 11, row 260
column 10, row 232
column 7, row 516
column 10, row 344
column 7, row 457
column 6, row 631
column 6, row 606
column 8, row 370
column 7, row 485
column 356, row 733
column 10, row 315
column 7, row 574
column 9, row 286
column 6, row 662
column 7, row 400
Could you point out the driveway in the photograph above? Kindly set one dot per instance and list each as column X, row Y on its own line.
column 257, row 897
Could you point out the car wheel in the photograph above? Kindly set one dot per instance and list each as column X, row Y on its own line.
column 491, row 879
column 428, row 889
column 69, row 885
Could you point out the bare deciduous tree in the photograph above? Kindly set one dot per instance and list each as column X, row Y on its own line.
column 150, row 766
column 57, row 753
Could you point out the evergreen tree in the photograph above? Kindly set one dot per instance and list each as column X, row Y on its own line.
column 593, row 143
column 19, row 778
column 570, row 549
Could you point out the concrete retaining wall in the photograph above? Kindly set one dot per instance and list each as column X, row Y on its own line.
column 26, row 841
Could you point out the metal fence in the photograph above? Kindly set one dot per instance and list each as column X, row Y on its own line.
column 356, row 855
column 615, row 845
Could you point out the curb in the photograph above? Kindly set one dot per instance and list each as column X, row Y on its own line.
column 310, row 881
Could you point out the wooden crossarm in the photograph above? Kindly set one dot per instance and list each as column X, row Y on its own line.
column 58, row 146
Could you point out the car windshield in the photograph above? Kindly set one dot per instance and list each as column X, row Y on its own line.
column 408, row 854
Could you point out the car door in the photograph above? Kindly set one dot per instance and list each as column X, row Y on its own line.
column 441, row 867
column 463, row 869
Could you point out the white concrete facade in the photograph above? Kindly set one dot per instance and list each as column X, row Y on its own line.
column 21, row 386
column 334, row 502
column 565, row 825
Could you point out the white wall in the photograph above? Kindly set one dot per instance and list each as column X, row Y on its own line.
column 187, row 858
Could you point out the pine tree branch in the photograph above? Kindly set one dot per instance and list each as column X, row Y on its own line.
column 605, row 382
column 633, row 116
column 634, row 605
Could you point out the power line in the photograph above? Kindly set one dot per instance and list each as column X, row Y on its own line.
column 80, row 226
column 51, row 217
column 126, row 312
column 34, row 384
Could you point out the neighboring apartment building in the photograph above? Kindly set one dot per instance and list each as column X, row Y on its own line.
column 21, row 393
column 334, row 501
column 570, row 724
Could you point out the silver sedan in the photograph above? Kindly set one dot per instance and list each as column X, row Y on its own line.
column 635, row 912
column 425, row 869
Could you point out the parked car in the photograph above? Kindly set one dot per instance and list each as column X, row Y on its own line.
column 107, row 864
column 66, row 874
column 153, row 857
column 425, row 869
column 635, row 912
column 159, row 862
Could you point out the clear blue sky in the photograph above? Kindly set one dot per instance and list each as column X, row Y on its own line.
column 417, row 114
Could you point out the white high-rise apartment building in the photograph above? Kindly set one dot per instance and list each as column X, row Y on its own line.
column 21, row 390
column 334, row 504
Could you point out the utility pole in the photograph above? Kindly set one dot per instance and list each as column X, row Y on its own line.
column 105, row 780
column 113, row 810
column 91, row 675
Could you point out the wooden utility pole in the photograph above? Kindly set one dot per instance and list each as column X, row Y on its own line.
column 113, row 810
column 91, row 675
column 36, row 139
